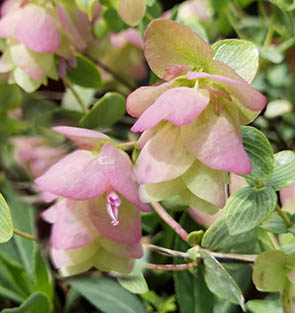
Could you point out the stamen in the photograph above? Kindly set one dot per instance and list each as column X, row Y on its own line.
column 113, row 202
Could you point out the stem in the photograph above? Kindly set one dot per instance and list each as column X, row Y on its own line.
column 283, row 216
column 269, row 34
column 221, row 257
column 24, row 235
column 233, row 23
column 170, row 220
column 77, row 96
column 116, row 76
column 171, row 267
column 127, row 144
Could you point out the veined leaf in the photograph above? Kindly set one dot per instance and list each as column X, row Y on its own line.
column 6, row 225
column 240, row 55
column 247, row 207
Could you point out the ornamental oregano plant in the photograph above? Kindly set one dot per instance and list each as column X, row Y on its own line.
column 157, row 138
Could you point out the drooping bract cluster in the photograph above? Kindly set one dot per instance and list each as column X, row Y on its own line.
column 96, row 219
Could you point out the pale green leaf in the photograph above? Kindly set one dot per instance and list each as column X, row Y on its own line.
column 269, row 272
column 271, row 304
column 247, row 207
column 240, row 55
column 6, row 225
column 86, row 6
column 275, row 224
column 134, row 282
column 260, row 153
column 220, row 282
column 284, row 170
column 105, row 112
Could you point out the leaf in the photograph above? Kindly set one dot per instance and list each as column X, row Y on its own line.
column 240, row 55
column 271, row 304
column 105, row 112
column 43, row 280
column 275, row 224
column 217, row 238
column 284, row 170
column 220, row 282
column 284, row 5
column 85, row 74
column 86, row 6
column 36, row 303
column 247, row 207
column 269, row 272
column 192, row 293
column 135, row 283
column 113, row 20
column 6, row 225
column 288, row 297
column 259, row 151
column 10, row 97
column 107, row 295
column 131, row 11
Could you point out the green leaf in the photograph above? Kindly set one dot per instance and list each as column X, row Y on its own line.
column 114, row 21
column 271, row 304
column 217, row 238
column 240, row 55
column 107, row 295
column 284, row 170
column 43, row 280
column 105, row 112
column 162, row 305
column 269, row 272
column 135, row 283
column 36, row 303
column 284, row 5
column 220, row 282
column 275, row 224
column 6, row 225
column 247, row 207
column 259, row 151
column 86, row 6
column 85, row 74
column 10, row 97
column 192, row 293
column 288, row 297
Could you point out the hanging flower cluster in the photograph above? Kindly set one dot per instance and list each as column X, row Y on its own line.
column 191, row 124
column 96, row 219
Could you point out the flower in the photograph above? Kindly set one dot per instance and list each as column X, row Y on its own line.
column 34, row 33
column 97, row 186
column 287, row 197
column 190, row 124
column 32, row 154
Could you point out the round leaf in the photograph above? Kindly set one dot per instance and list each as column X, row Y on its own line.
column 85, row 74
column 284, row 170
column 240, row 55
column 105, row 112
column 247, row 207
column 260, row 153
column 6, row 226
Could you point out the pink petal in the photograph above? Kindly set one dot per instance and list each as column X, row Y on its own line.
column 287, row 193
column 168, row 44
column 68, row 27
column 164, row 157
column 117, row 168
column 72, row 228
column 48, row 197
column 50, row 214
column 216, row 141
column 37, row 30
column 236, row 85
column 85, row 138
column 9, row 22
column 77, row 176
column 146, row 136
column 129, row 229
column 180, row 106
column 142, row 98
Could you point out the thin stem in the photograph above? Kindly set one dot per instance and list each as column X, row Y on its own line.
column 127, row 144
column 269, row 34
column 77, row 96
column 233, row 23
column 170, row 220
column 171, row 267
column 283, row 216
column 116, row 76
column 24, row 235
column 167, row 252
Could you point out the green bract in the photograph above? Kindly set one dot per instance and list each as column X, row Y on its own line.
column 6, row 226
